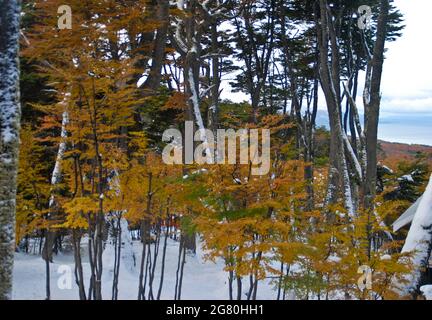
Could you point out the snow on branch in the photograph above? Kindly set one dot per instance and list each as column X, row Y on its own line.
column 418, row 242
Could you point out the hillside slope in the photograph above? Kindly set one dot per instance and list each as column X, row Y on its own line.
column 392, row 152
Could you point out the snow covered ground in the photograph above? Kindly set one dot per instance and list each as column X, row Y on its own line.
column 202, row 279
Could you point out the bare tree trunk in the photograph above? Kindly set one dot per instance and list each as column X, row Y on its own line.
column 90, row 245
column 47, row 257
column 339, row 178
column 179, row 272
column 99, row 223
column 145, row 239
column 373, row 106
column 154, row 262
column 147, row 268
column 163, row 258
column 230, row 284
column 153, row 81
column 141, row 287
column 10, row 114
column 50, row 235
column 239, row 287
column 180, row 285
column 213, row 113
column 117, row 235
column 79, row 276
column 280, row 281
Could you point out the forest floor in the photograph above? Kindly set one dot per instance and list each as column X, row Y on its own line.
column 204, row 280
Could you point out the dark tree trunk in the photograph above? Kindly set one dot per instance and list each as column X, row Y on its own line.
column 159, row 50
column 79, row 276
column 163, row 259
column 373, row 108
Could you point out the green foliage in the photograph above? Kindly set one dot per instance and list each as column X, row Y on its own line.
column 410, row 179
column 156, row 117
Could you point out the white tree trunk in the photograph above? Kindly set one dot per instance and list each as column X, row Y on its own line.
column 10, row 114
column 56, row 174
column 198, row 117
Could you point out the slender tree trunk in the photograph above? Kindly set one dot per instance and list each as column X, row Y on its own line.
column 179, row 262
column 373, row 107
column 163, row 260
column 230, row 284
column 141, row 287
column 213, row 113
column 180, row 285
column 153, row 265
column 117, row 233
column 100, row 218
column 280, row 281
column 47, row 269
column 147, row 267
column 79, row 276
column 47, row 256
column 91, row 258
column 145, row 239
column 239, row 287
column 50, row 235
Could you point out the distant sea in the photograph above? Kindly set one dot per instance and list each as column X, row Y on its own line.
column 411, row 129
column 403, row 128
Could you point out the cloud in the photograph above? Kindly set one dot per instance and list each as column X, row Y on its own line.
column 406, row 83
column 411, row 105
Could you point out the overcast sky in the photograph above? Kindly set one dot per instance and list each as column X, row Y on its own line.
column 406, row 108
column 407, row 85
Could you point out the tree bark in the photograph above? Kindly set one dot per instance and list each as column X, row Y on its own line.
column 373, row 107
column 330, row 82
column 154, row 78
column 10, row 114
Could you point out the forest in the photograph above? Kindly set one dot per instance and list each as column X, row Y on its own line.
column 128, row 172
